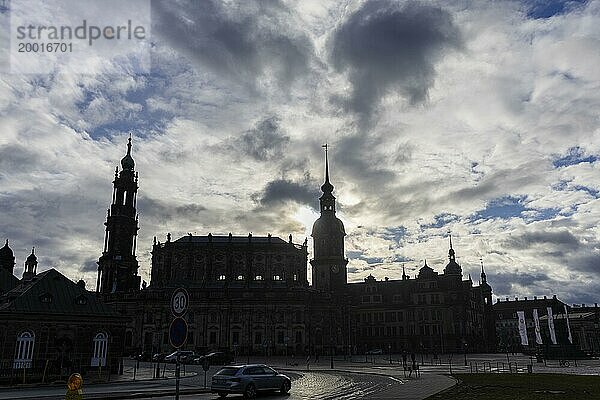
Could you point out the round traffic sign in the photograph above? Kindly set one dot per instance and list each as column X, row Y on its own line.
column 205, row 364
column 178, row 332
column 179, row 302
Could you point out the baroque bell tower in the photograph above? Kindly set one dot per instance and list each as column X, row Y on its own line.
column 329, row 271
column 118, row 265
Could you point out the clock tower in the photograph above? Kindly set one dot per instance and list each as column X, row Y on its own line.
column 329, row 271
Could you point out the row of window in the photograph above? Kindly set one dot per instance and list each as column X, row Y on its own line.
column 236, row 335
column 234, row 317
column 399, row 316
column 433, row 298
column 391, row 331
column 26, row 344
column 223, row 277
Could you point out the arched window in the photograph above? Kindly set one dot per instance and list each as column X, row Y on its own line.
column 24, row 350
column 100, row 350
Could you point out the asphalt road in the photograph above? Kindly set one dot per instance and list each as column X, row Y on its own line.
column 323, row 386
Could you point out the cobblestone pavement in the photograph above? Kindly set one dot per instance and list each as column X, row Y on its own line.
column 357, row 378
column 326, row 386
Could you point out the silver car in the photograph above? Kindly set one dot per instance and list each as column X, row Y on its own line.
column 248, row 380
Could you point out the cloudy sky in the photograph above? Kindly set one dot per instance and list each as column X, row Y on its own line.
column 471, row 117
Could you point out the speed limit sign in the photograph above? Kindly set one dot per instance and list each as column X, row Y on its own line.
column 179, row 302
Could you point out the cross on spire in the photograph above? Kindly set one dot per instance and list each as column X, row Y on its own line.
column 327, row 187
column 326, row 147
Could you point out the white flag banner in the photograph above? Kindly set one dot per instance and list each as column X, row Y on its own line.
column 536, row 321
column 523, row 328
column 568, row 325
column 551, row 325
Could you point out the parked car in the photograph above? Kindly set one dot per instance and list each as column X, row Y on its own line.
column 158, row 357
column 215, row 358
column 183, row 354
column 375, row 351
column 249, row 380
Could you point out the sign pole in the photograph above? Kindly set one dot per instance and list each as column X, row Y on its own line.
column 177, row 376
column 178, row 330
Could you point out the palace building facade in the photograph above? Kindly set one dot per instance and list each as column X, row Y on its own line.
column 250, row 294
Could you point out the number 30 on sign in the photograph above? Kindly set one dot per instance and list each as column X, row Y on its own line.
column 179, row 302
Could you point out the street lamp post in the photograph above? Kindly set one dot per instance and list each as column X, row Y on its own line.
column 390, row 352
column 332, row 352
column 466, row 345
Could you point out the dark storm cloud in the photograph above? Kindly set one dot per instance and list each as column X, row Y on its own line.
column 283, row 190
column 357, row 155
column 266, row 141
column 585, row 261
column 504, row 283
column 154, row 208
column 560, row 241
column 242, row 41
column 385, row 45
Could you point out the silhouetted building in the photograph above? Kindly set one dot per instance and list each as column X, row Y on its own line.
column 432, row 312
column 507, row 321
column 585, row 327
column 250, row 293
column 51, row 325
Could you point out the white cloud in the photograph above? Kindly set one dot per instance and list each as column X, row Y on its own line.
column 520, row 94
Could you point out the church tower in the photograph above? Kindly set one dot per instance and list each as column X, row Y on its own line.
column 118, row 266
column 329, row 271
column 452, row 268
column 31, row 264
column 7, row 258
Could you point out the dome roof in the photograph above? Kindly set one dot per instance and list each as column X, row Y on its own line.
column 327, row 187
column 426, row 270
column 127, row 162
column 327, row 225
column 32, row 257
column 452, row 268
column 6, row 252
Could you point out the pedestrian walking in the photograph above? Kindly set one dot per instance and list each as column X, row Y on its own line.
column 404, row 356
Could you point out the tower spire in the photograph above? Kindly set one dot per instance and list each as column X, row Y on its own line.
column 327, row 187
column 483, row 275
column 127, row 162
column 326, row 146
column 451, row 253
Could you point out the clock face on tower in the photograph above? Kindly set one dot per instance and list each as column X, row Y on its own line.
column 335, row 269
